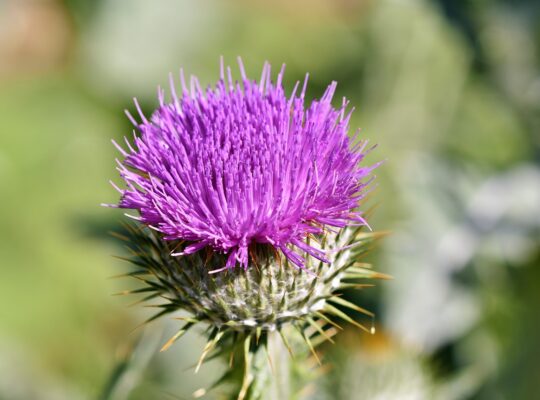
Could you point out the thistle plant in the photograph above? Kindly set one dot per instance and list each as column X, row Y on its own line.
column 248, row 222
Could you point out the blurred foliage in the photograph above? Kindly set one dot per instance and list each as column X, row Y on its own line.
column 450, row 90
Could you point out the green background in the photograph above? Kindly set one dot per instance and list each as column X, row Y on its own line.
column 449, row 90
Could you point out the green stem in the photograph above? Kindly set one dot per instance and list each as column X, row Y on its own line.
column 280, row 359
column 262, row 370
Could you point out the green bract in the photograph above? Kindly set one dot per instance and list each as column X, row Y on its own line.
column 242, row 308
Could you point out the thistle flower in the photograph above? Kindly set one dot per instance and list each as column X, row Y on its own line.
column 248, row 207
column 243, row 164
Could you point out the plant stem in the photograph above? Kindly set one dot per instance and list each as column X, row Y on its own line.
column 280, row 365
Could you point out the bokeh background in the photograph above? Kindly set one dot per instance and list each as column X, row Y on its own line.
column 450, row 90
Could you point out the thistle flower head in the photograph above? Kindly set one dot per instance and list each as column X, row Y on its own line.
column 242, row 164
column 242, row 175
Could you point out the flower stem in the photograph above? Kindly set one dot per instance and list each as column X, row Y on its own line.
column 280, row 365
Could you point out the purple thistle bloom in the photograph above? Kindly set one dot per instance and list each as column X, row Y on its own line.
column 240, row 164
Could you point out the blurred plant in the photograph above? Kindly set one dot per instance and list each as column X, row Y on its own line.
column 23, row 47
column 379, row 369
column 249, row 223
